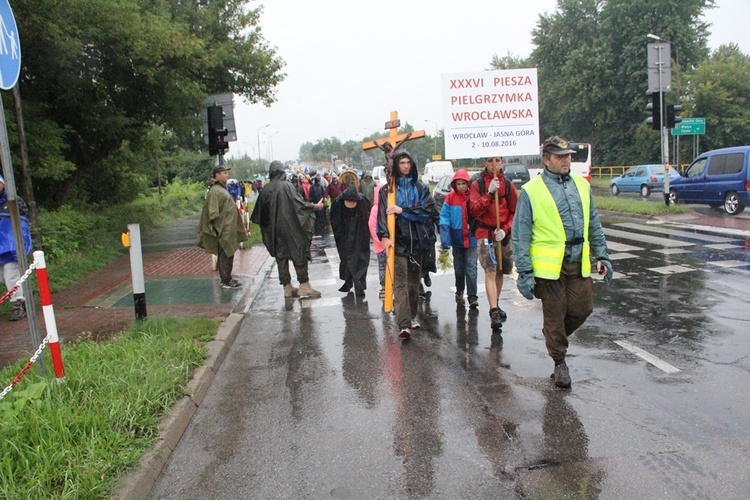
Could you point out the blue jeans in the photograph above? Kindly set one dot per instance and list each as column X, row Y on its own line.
column 465, row 266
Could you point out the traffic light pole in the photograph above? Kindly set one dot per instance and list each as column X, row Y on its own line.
column 663, row 129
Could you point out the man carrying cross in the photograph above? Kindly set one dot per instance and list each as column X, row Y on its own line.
column 414, row 236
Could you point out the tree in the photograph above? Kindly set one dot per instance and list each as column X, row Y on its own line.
column 97, row 75
column 719, row 91
column 591, row 59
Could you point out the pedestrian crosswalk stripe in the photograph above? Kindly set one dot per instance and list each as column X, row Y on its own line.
column 644, row 238
column 723, row 246
column 729, row 263
column 622, row 247
column 623, row 256
column 671, row 251
column 661, row 229
column 673, row 269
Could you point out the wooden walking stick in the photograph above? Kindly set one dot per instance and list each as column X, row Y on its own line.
column 498, row 245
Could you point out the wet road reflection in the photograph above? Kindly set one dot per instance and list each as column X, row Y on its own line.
column 340, row 407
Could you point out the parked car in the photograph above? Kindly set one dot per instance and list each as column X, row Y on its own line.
column 641, row 179
column 716, row 178
column 442, row 188
column 517, row 173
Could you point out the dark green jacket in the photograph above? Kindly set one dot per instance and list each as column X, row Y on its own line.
column 220, row 222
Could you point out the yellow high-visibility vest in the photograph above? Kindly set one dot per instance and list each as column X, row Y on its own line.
column 547, row 249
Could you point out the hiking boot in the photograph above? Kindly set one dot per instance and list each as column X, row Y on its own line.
column 459, row 299
column 305, row 290
column 427, row 280
column 497, row 317
column 473, row 302
column 562, row 375
column 19, row 311
column 404, row 333
column 231, row 284
column 289, row 290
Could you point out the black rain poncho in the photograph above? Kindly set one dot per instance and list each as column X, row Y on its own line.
column 286, row 221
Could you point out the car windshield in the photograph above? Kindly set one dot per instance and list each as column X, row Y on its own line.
column 515, row 169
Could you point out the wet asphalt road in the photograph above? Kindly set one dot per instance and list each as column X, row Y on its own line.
column 319, row 399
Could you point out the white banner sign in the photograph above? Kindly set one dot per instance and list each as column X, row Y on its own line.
column 491, row 113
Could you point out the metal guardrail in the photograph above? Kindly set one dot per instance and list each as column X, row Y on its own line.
column 619, row 170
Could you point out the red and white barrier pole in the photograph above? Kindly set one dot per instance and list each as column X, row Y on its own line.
column 49, row 314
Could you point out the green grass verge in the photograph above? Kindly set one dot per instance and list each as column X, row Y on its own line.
column 78, row 438
column 635, row 205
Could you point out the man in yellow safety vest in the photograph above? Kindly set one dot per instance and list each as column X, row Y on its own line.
column 555, row 231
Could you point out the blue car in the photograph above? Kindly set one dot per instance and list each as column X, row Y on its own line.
column 641, row 179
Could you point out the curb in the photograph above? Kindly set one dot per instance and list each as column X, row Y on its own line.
column 139, row 483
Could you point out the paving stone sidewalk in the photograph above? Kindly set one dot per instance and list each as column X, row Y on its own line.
column 98, row 307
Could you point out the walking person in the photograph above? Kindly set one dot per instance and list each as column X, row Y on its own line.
column 556, row 231
column 486, row 214
column 350, row 214
column 455, row 234
column 286, row 223
column 414, row 237
column 221, row 230
column 10, row 271
column 367, row 186
column 317, row 193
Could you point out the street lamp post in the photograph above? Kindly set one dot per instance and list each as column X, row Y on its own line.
column 437, row 132
column 270, row 142
column 258, row 134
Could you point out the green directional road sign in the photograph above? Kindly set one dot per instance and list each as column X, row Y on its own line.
column 690, row 126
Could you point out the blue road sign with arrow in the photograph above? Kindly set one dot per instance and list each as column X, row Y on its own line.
column 10, row 47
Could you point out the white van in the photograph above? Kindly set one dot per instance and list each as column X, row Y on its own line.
column 378, row 174
column 436, row 170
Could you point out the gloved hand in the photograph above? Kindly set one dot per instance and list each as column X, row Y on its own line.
column 606, row 269
column 494, row 186
column 499, row 235
column 525, row 285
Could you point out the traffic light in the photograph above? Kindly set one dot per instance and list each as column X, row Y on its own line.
column 672, row 117
column 216, row 131
column 653, row 107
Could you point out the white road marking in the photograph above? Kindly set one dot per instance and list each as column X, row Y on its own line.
column 622, row 255
column 729, row 263
column 644, row 238
column 647, row 356
column 723, row 246
column 622, row 247
column 676, row 232
column 671, row 251
column 674, row 269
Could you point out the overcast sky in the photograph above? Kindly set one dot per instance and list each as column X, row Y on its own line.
column 350, row 63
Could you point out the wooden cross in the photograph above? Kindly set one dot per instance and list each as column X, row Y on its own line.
column 389, row 145
column 394, row 139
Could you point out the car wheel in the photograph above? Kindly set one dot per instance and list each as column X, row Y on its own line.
column 732, row 204
column 615, row 189
column 645, row 191
column 673, row 197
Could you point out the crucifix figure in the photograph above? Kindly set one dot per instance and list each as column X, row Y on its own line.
column 389, row 146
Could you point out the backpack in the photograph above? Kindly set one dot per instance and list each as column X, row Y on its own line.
column 474, row 224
